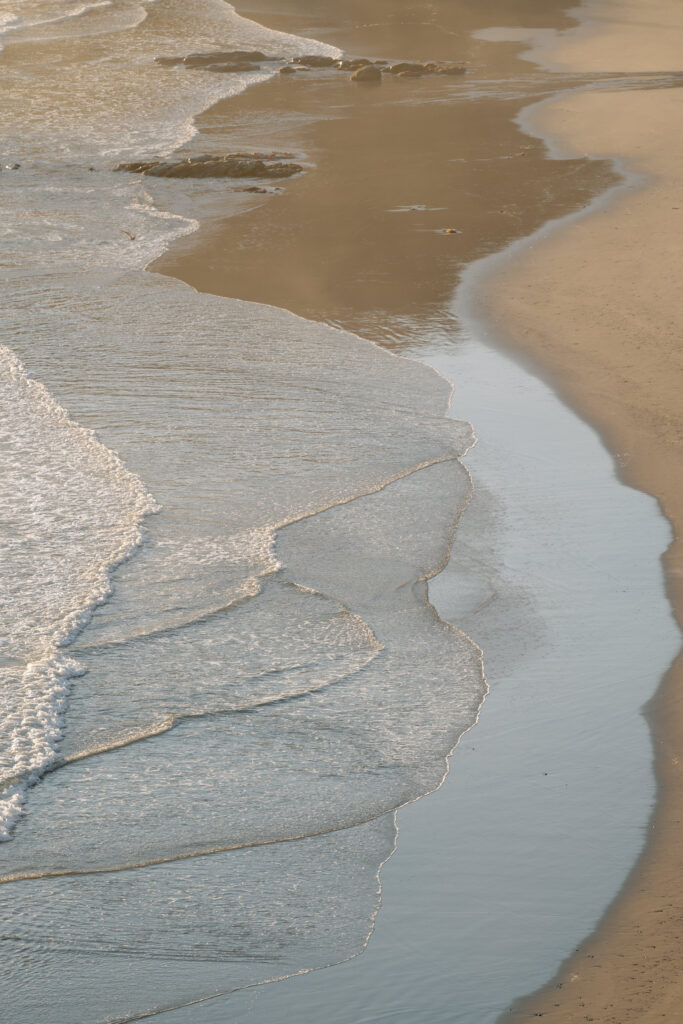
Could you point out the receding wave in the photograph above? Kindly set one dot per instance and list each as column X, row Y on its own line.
column 76, row 513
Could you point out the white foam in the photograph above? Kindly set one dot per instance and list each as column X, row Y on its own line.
column 72, row 512
column 39, row 13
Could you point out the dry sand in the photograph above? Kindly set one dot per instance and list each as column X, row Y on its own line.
column 597, row 305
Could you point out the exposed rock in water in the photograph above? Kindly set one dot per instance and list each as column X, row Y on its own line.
column 287, row 70
column 404, row 66
column 450, row 69
column 234, row 61
column 315, row 60
column 234, row 165
column 408, row 69
column 221, row 61
column 351, row 63
column 369, row 73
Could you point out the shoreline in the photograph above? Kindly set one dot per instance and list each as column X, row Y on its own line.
column 626, row 969
column 485, row 858
column 558, row 383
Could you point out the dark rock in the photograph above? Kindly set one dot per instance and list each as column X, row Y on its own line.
column 411, row 74
column 397, row 69
column 234, row 165
column 215, row 59
column 253, row 188
column 450, row 69
column 351, row 63
column 287, row 70
column 369, row 73
column 315, row 60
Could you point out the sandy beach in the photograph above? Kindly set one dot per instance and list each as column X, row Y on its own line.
column 596, row 306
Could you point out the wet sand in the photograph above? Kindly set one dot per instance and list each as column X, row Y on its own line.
column 596, row 305
column 359, row 240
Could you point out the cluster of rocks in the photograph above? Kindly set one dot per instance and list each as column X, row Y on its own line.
column 363, row 69
column 232, row 165
column 269, row 165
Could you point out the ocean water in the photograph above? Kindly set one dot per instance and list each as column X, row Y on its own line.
column 221, row 673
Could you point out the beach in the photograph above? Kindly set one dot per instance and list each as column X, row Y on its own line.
column 615, row 356
column 302, row 536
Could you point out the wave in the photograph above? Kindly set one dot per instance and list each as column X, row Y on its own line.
column 238, row 696
column 77, row 513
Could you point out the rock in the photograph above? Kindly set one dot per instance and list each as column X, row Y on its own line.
column 397, row 69
column 351, row 63
column 287, row 70
column 234, row 165
column 411, row 74
column 450, row 69
column 214, row 60
column 253, row 188
column 315, row 60
column 228, row 62
column 369, row 73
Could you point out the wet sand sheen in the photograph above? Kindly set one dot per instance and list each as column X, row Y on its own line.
column 359, row 239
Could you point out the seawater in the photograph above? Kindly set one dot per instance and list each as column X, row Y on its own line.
column 221, row 673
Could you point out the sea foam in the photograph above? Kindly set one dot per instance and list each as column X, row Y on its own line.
column 72, row 512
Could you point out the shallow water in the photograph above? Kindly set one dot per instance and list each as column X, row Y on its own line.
column 501, row 873
column 217, row 634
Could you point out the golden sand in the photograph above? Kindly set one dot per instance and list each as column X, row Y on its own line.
column 598, row 306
